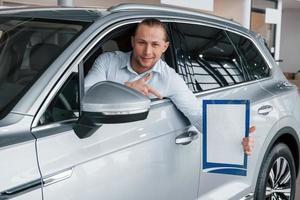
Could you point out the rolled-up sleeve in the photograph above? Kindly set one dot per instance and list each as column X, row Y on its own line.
column 185, row 100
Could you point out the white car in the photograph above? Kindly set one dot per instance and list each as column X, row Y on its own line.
column 112, row 143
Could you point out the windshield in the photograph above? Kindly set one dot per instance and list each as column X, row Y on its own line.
column 27, row 47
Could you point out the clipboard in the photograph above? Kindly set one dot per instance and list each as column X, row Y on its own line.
column 225, row 123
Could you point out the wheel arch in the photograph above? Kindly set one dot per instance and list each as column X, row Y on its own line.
column 288, row 136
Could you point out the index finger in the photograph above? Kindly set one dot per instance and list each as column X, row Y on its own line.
column 154, row 92
column 147, row 77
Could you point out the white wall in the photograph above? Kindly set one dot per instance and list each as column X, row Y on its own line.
column 274, row 16
column 195, row 4
column 262, row 4
column 290, row 40
column 238, row 10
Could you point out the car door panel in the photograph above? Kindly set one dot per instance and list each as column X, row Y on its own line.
column 226, row 186
column 20, row 177
column 137, row 160
column 222, row 65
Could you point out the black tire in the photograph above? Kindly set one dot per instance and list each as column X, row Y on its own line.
column 273, row 180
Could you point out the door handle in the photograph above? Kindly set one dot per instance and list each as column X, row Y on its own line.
column 57, row 177
column 187, row 137
column 284, row 84
column 264, row 110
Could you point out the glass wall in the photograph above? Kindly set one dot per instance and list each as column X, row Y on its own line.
column 258, row 25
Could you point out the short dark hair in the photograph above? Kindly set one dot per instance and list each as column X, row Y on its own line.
column 153, row 22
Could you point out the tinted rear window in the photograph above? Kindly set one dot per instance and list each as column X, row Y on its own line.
column 255, row 65
column 206, row 58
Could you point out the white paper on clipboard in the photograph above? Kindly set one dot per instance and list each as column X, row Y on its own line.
column 225, row 123
column 225, row 131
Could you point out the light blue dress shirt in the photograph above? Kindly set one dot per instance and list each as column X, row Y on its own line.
column 115, row 66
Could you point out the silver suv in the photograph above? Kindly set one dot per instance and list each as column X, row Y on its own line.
column 58, row 142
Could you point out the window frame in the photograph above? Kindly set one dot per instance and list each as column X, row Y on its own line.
column 107, row 28
column 57, row 88
column 60, row 91
column 77, row 66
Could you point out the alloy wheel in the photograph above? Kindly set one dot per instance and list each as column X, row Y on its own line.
column 279, row 184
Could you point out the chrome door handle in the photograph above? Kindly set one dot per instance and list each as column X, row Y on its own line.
column 264, row 110
column 284, row 84
column 187, row 137
column 57, row 177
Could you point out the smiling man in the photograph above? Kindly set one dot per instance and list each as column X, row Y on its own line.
column 143, row 70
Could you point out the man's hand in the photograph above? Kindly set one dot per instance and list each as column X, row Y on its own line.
column 248, row 142
column 142, row 86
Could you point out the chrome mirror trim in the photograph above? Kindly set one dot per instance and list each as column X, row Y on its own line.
column 125, row 112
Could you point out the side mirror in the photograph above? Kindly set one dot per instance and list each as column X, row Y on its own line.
column 109, row 102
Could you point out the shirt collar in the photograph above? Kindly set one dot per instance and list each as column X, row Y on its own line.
column 155, row 68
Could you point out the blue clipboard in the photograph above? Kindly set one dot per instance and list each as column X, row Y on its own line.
column 217, row 167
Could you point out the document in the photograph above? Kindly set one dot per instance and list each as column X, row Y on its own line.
column 225, row 123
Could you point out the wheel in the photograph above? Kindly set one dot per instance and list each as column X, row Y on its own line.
column 277, row 176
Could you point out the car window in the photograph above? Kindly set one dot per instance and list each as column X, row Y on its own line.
column 27, row 47
column 256, row 66
column 206, row 58
column 118, row 39
column 65, row 104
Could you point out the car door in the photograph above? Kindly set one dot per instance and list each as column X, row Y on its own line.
column 215, row 69
column 134, row 160
column 20, row 177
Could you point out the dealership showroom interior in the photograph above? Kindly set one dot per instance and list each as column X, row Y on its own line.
column 150, row 99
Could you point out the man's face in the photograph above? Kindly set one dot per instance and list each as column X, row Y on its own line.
column 148, row 44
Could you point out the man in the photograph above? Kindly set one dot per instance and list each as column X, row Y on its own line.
column 143, row 70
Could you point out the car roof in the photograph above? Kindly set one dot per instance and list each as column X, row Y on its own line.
column 167, row 9
column 90, row 14
column 59, row 13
